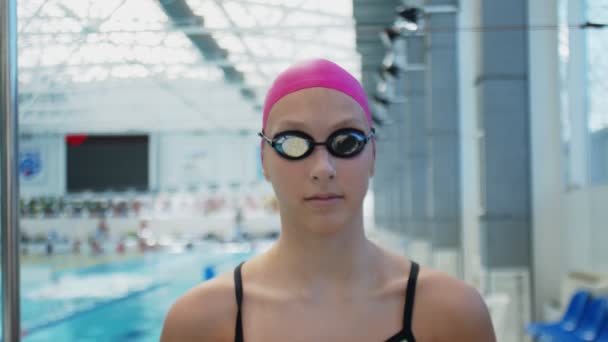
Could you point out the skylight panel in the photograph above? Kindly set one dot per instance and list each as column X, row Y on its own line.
column 239, row 14
column 268, row 16
column 52, row 55
column 149, row 38
column 129, row 71
column 177, row 40
column 26, row 9
column 230, row 42
column 338, row 7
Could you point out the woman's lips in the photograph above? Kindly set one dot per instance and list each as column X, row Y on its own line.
column 321, row 201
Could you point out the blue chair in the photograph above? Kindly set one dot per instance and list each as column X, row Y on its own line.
column 603, row 337
column 592, row 329
column 589, row 327
column 569, row 321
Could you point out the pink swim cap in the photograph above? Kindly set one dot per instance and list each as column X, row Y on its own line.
column 311, row 74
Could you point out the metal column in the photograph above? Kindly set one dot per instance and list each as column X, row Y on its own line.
column 399, row 179
column 417, row 147
column 444, row 135
column 9, row 191
column 504, row 118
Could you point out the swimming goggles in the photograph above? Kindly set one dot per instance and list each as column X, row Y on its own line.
column 295, row 145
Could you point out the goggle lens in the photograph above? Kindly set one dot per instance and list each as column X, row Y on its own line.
column 292, row 146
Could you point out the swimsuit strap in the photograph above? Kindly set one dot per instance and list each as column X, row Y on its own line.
column 238, row 289
column 408, row 311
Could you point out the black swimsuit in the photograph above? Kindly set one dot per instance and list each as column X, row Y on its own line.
column 405, row 334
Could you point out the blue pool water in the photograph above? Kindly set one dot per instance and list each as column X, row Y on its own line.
column 123, row 301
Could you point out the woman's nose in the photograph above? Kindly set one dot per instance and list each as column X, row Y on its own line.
column 323, row 168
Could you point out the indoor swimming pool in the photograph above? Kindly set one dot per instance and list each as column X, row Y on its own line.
column 117, row 301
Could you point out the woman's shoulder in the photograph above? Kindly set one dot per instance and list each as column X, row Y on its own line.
column 206, row 312
column 450, row 308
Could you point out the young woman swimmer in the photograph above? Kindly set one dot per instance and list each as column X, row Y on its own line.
column 323, row 280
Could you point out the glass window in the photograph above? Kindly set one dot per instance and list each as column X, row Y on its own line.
column 597, row 77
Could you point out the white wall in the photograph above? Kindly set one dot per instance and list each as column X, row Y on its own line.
column 599, row 228
column 187, row 160
column 585, row 229
column 177, row 161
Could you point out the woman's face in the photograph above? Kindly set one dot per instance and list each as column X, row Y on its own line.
column 320, row 192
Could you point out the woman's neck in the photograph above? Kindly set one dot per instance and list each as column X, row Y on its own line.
column 320, row 260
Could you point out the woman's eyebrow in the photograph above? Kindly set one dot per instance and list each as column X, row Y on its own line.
column 291, row 124
column 353, row 122
column 303, row 126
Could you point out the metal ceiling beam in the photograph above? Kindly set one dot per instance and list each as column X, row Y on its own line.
column 248, row 49
column 180, row 13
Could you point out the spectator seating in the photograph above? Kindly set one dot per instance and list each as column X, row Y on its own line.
column 585, row 319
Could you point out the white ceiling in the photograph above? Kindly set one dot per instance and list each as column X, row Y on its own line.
column 121, row 65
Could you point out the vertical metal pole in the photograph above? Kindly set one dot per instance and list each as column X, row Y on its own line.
column 9, row 191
